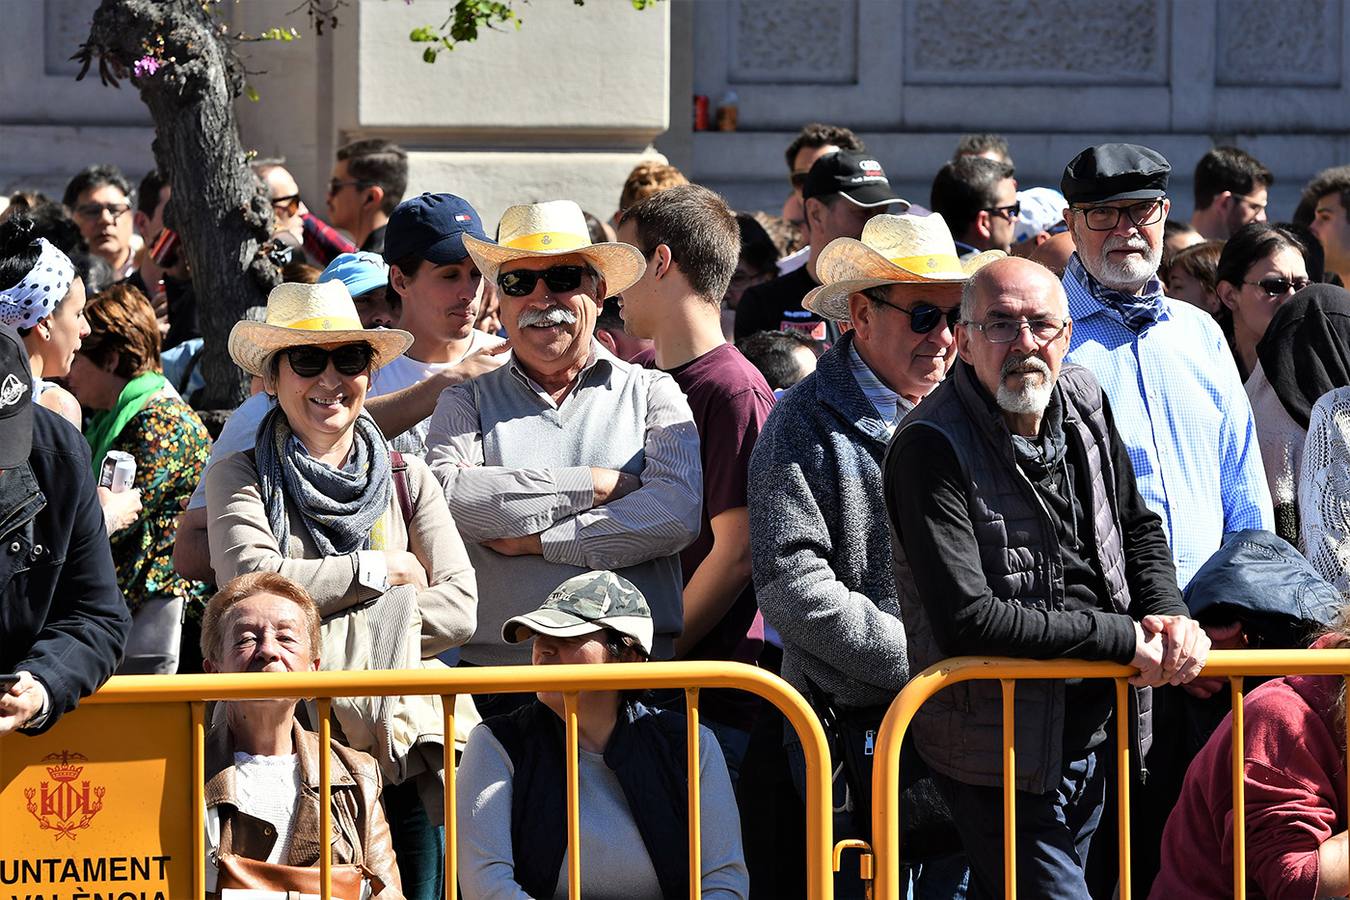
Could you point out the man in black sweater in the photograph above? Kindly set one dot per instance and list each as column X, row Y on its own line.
column 1019, row 532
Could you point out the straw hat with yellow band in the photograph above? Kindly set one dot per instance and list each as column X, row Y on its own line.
column 301, row 314
column 893, row 250
column 556, row 228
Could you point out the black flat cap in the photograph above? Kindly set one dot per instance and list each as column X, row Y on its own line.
column 1115, row 172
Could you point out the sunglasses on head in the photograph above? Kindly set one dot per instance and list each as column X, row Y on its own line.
column 349, row 359
column 560, row 279
column 1278, row 287
column 924, row 317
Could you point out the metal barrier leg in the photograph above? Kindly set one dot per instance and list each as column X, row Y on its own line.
column 866, row 868
column 325, row 800
column 451, row 818
column 1009, row 791
column 695, row 806
column 573, row 798
column 198, row 709
column 1239, row 795
column 1123, row 782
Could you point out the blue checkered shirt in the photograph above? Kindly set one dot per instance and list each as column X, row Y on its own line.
column 1179, row 405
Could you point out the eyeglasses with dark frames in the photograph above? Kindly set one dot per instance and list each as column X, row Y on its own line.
column 290, row 203
column 308, row 361
column 96, row 210
column 1106, row 218
column 1278, row 287
column 560, row 279
column 1005, row 331
column 924, row 317
column 1010, row 212
column 334, row 185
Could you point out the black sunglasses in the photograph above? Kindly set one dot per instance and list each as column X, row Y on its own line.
column 349, row 359
column 1009, row 212
column 1278, row 287
column 560, row 279
column 924, row 317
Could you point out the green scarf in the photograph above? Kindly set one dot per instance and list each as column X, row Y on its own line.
column 104, row 426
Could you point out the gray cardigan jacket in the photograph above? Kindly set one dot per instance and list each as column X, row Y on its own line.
column 820, row 540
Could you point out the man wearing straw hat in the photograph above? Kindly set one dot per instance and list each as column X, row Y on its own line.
column 821, row 556
column 566, row 458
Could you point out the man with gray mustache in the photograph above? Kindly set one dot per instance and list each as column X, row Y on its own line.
column 1177, row 396
column 565, row 459
column 1017, row 530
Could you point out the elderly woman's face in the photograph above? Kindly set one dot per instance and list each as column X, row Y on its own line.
column 322, row 389
column 264, row 633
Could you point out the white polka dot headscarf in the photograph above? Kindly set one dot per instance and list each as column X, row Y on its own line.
column 36, row 295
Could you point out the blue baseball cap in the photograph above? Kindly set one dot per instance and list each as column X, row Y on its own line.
column 362, row 272
column 432, row 226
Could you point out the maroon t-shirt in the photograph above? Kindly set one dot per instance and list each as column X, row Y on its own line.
column 730, row 400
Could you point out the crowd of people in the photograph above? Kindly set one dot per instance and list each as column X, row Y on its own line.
column 842, row 442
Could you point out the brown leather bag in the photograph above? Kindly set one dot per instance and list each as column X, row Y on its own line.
column 241, row 873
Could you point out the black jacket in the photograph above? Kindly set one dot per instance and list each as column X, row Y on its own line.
column 62, row 616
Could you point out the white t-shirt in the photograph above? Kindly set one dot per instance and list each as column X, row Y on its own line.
column 405, row 372
column 267, row 788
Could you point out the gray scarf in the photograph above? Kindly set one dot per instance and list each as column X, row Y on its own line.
column 338, row 506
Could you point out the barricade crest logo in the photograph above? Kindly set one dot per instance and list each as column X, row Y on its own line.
column 63, row 805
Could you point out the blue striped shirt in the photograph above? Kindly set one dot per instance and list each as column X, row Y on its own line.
column 1179, row 405
column 890, row 406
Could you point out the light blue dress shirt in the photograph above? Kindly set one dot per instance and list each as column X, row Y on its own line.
column 1180, row 407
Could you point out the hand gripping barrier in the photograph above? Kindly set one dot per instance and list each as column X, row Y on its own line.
column 195, row 690
column 1231, row 664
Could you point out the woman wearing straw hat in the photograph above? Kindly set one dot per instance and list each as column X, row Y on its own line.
column 322, row 501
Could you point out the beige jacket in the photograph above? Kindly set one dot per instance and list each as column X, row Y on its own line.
column 241, row 541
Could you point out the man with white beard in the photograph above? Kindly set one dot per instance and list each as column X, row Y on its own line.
column 1175, row 390
column 1018, row 531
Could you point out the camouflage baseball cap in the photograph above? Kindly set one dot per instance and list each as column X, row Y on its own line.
column 586, row 603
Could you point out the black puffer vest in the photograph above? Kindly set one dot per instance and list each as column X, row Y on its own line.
column 959, row 732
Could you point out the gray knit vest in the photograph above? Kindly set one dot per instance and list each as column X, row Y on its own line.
column 960, row 731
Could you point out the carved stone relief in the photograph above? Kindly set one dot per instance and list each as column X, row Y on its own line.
column 995, row 42
column 794, row 41
column 1293, row 42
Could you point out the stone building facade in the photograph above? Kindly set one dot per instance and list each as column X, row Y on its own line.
column 566, row 105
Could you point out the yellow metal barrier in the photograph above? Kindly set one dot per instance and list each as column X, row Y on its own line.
column 1231, row 664
column 195, row 690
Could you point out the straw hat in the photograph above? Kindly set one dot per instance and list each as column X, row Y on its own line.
column 299, row 314
column 893, row 250
column 556, row 228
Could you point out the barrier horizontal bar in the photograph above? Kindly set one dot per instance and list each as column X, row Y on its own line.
column 921, row 687
column 477, row 680
column 132, row 689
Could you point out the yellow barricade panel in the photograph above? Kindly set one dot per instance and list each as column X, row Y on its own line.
column 99, row 807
